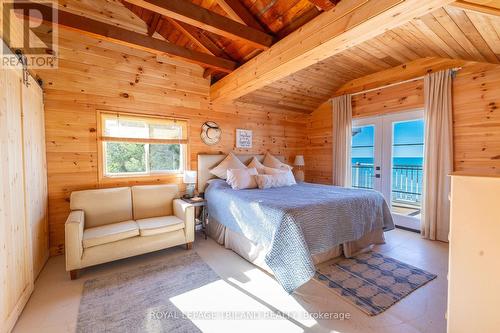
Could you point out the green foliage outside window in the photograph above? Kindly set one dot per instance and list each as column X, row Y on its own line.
column 137, row 157
column 125, row 157
column 164, row 157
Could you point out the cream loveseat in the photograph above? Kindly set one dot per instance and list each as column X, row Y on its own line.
column 115, row 223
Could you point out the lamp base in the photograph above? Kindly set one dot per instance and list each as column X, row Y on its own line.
column 299, row 176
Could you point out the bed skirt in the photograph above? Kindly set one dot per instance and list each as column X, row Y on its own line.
column 255, row 253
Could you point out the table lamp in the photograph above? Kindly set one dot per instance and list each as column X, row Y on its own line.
column 299, row 172
column 190, row 181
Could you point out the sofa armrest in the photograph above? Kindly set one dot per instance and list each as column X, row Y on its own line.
column 73, row 230
column 185, row 211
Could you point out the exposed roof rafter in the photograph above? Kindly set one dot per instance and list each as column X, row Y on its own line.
column 154, row 25
column 324, row 4
column 112, row 33
column 187, row 12
column 238, row 12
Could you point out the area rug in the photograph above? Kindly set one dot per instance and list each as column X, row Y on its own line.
column 372, row 281
column 138, row 300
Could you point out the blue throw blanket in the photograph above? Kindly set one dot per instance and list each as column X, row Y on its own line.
column 298, row 221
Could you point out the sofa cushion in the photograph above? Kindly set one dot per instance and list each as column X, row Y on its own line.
column 103, row 206
column 158, row 225
column 153, row 200
column 109, row 233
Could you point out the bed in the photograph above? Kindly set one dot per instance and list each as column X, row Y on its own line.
column 289, row 230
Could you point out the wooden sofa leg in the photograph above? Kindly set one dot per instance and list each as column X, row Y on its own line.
column 189, row 246
column 74, row 274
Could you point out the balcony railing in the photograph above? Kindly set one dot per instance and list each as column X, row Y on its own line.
column 406, row 181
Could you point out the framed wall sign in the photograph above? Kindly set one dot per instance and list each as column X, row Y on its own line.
column 243, row 138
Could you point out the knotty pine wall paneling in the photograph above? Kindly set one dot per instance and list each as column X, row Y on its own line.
column 95, row 75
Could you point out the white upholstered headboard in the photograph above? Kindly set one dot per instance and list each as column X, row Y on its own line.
column 209, row 161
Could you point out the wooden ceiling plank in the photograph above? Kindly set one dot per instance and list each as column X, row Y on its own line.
column 487, row 30
column 299, row 22
column 189, row 13
column 473, row 35
column 431, row 36
column 238, row 12
column 449, row 24
column 412, row 38
column 349, row 24
column 398, row 74
column 125, row 37
column 476, row 7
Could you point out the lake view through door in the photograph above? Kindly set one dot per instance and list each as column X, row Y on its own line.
column 387, row 156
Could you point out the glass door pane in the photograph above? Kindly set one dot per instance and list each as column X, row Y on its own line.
column 363, row 156
column 407, row 167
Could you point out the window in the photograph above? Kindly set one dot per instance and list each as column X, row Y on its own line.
column 140, row 146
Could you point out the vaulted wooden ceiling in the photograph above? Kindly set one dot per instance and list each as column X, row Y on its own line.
column 221, row 35
column 450, row 32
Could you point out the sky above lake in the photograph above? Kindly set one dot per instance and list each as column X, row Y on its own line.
column 408, row 138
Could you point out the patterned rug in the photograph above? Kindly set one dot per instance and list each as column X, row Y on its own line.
column 138, row 300
column 371, row 281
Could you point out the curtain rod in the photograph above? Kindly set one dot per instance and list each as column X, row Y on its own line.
column 456, row 69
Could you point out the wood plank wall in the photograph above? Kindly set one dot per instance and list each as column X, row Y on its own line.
column 95, row 75
column 476, row 98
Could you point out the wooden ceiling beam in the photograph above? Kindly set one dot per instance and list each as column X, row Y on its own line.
column 349, row 24
column 323, row 4
column 154, row 25
column 401, row 73
column 187, row 12
column 476, row 7
column 238, row 12
column 112, row 33
column 199, row 38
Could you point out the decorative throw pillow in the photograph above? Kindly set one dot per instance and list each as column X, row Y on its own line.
column 230, row 162
column 276, row 180
column 288, row 172
column 241, row 179
column 272, row 162
column 254, row 163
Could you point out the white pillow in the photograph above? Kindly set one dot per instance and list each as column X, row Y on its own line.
column 254, row 163
column 288, row 172
column 230, row 162
column 272, row 162
column 276, row 180
column 241, row 179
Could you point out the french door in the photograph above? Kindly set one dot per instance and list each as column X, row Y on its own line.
column 387, row 156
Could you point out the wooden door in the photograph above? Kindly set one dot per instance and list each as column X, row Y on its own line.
column 15, row 250
column 35, row 173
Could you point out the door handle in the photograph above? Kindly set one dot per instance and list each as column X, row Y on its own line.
column 377, row 175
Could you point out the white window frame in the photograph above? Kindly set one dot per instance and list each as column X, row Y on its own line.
column 103, row 140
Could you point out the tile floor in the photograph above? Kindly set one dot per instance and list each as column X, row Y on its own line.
column 53, row 307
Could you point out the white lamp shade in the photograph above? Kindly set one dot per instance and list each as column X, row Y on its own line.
column 189, row 177
column 299, row 160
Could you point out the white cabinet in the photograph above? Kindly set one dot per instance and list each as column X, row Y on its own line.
column 474, row 266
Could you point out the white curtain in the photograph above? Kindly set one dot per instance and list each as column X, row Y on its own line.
column 342, row 136
column 438, row 159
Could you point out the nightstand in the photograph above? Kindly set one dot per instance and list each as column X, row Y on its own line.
column 203, row 215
